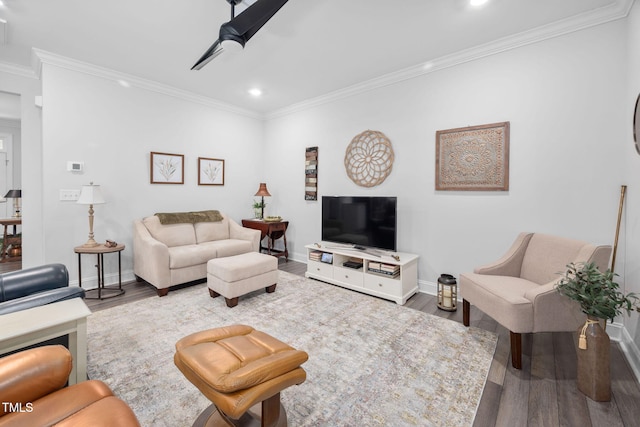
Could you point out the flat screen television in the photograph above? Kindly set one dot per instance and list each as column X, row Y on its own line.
column 360, row 221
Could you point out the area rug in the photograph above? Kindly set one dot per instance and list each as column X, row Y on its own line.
column 371, row 362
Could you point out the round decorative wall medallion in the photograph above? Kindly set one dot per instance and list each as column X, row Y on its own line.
column 369, row 158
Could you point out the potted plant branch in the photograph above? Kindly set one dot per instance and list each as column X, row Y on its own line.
column 599, row 297
column 258, row 208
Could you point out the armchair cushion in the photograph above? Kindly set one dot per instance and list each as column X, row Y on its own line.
column 505, row 296
column 32, row 287
column 30, row 375
column 547, row 257
column 41, row 298
column 35, row 379
column 16, row 284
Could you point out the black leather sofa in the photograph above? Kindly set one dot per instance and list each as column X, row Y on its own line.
column 32, row 287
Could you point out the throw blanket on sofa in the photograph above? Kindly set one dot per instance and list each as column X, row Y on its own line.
column 189, row 217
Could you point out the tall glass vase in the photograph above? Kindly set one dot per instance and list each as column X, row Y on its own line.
column 594, row 366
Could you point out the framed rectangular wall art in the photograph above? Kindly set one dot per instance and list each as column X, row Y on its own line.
column 167, row 168
column 474, row 158
column 210, row 171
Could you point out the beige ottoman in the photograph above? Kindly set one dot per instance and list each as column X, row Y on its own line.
column 238, row 275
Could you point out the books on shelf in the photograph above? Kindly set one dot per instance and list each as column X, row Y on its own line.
column 315, row 255
column 382, row 268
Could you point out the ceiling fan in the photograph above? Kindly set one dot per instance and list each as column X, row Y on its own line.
column 240, row 28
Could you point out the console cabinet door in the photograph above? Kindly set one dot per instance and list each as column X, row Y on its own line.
column 382, row 284
column 348, row 275
column 320, row 268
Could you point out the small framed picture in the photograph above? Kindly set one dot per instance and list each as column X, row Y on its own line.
column 210, row 171
column 167, row 168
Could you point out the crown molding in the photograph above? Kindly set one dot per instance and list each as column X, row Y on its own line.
column 18, row 70
column 619, row 9
column 43, row 57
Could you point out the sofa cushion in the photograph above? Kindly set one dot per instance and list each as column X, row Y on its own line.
column 189, row 255
column 172, row 234
column 210, row 231
column 231, row 247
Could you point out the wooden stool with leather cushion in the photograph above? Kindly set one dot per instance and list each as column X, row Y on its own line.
column 237, row 367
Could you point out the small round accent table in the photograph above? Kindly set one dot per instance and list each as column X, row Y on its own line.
column 102, row 291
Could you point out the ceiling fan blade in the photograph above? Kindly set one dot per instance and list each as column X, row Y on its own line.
column 242, row 27
column 212, row 52
column 253, row 18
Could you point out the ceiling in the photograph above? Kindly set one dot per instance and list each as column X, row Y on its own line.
column 310, row 48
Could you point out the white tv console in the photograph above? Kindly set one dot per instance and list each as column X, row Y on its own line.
column 398, row 284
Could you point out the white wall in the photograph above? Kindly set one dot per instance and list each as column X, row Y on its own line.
column 630, row 240
column 112, row 130
column 564, row 98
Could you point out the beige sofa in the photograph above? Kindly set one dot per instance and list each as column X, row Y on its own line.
column 170, row 254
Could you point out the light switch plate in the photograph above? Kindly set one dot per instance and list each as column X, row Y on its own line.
column 69, row 195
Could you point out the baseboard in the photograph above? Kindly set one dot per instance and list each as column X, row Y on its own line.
column 429, row 288
column 630, row 350
column 109, row 279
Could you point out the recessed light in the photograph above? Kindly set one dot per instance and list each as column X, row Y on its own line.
column 255, row 92
column 477, row 2
column 123, row 83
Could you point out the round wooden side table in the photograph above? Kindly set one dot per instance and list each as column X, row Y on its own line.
column 102, row 291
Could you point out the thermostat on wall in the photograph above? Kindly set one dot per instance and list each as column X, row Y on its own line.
column 75, row 166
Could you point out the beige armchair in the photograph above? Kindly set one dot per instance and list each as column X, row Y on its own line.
column 518, row 290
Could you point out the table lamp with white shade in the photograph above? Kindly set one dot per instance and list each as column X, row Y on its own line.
column 91, row 195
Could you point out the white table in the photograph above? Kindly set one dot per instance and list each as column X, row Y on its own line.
column 35, row 325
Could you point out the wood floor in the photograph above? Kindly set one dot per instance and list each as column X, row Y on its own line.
column 543, row 393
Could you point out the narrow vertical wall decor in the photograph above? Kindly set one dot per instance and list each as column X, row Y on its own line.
column 311, row 173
